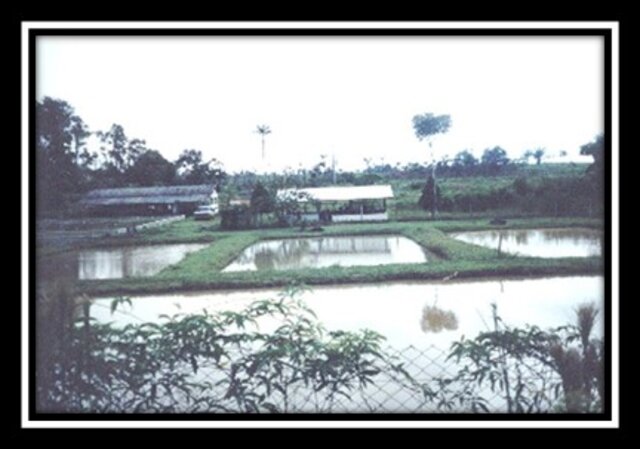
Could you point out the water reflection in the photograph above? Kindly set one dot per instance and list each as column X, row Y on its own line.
column 568, row 242
column 318, row 252
column 397, row 310
column 436, row 320
column 113, row 263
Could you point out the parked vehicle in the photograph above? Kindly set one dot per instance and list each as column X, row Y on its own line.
column 205, row 212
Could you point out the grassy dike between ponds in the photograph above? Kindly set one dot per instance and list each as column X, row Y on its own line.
column 201, row 270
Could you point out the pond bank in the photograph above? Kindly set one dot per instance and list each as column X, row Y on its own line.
column 202, row 270
column 511, row 267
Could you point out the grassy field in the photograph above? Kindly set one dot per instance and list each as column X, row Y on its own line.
column 407, row 192
column 201, row 270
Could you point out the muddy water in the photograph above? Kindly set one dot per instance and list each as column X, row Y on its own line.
column 114, row 263
column 566, row 242
column 319, row 252
column 419, row 313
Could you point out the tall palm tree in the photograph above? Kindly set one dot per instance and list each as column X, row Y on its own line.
column 263, row 130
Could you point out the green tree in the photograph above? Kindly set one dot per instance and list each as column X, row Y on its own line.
column 288, row 208
column 536, row 154
column 494, row 159
column 426, row 127
column 464, row 162
column 151, row 169
column 119, row 153
column 320, row 173
column 595, row 173
column 430, row 196
column 595, row 149
column 62, row 157
column 192, row 169
column 262, row 201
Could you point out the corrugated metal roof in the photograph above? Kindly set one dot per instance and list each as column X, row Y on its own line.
column 342, row 193
column 155, row 195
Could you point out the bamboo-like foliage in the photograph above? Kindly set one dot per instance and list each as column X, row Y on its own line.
column 207, row 362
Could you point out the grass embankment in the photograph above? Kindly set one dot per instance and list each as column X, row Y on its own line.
column 201, row 270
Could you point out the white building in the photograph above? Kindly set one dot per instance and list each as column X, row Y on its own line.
column 342, row 203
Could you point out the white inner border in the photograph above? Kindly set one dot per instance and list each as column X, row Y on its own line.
column 615, row 418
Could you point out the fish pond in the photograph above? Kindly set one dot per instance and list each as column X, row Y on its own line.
column 559, row 242
column 114, row 263
column 318, row 252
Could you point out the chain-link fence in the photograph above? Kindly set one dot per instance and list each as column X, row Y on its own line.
column 419, row 380
column 212, row 364
column 428, row 382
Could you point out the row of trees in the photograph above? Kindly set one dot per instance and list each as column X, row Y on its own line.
column 66, row 164
column 574, row 196
column 587, row 190
column 493, row 162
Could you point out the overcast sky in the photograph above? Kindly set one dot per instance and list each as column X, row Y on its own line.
column 349, row 96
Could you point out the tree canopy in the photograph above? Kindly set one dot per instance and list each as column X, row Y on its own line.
column 261, row 199
column 66, row 166
column 465, row 160
column 494, row 159
column 61, row 153
column 595, row 148
column 192, row 169
column 428, row 125
column 151, row 169
column 120, row 153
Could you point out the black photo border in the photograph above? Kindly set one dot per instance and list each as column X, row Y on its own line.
column 605, row 32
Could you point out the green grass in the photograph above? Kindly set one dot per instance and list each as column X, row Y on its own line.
column 201, row 269
column 459, row 269
column 407, row 191
column 520, row 223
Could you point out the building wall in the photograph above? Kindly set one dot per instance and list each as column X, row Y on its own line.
column 346, row 218
column 310, row 217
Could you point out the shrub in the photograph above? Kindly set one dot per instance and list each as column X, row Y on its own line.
column 211, row 363
column 237, row 217
column 532, row 370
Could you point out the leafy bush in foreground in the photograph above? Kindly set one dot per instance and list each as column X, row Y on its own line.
column 273, row 356
column 210, row 363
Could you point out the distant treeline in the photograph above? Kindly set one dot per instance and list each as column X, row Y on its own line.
column 67, row 166
column 548, row 196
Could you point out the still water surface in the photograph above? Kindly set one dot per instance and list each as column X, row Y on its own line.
column 317, row 252
column 564, row 242
column 114, row 263
column 416, row 313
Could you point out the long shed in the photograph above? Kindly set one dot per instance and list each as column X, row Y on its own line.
column 164, row 200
